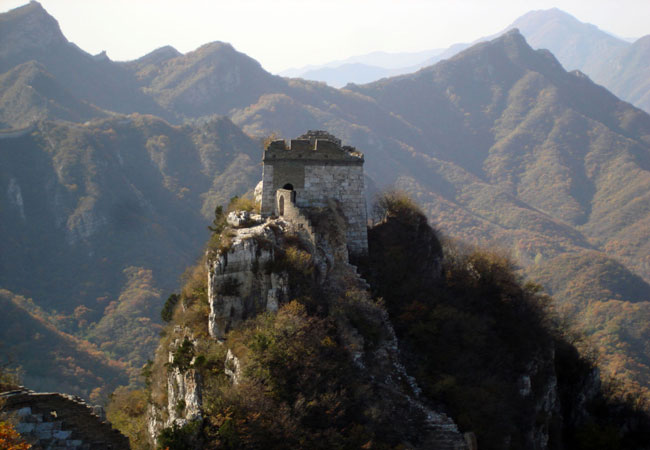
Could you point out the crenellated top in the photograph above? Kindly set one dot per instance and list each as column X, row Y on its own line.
column 314, row 169
column 315, row 145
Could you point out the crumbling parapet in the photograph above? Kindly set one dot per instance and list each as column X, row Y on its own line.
column 287, row 209
column 53, row 420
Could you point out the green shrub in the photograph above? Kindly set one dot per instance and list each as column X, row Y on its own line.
column 221, row 242
column 127, row 411
column 180, row 406
column 180, row 437
column 219, row 221
column 397, row 204
column 243, row 204
column 298, row 389
column 168, row 308
column 183, row 355
column 146, row 372
column 195, row 285
column 363, row 314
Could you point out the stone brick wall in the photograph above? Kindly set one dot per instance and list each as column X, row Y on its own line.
column 317, row 168
column 345, row 184
column 268, row 193
column 292, row 213
column 59, row 421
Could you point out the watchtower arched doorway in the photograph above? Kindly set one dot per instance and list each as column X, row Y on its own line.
column 288, row 187
column 282, row 205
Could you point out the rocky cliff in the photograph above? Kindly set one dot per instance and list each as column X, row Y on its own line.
column 278, row 342
column 261, row 274
column 487, row 345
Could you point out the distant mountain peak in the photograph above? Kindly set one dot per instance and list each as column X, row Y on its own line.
column 30, row 14
column 101, row 56
column 544, row 20
column 28, row 26
column 219, row 52
column 155, row 57
column 166, row 50
column 643, row 41
column 510, row 40
column 216, row 46
column 513, row 35
column 547, row 14
column 33, row 5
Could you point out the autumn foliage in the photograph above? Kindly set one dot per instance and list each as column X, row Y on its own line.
column 10, row 439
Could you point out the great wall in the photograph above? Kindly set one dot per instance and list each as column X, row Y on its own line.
column 54, row 421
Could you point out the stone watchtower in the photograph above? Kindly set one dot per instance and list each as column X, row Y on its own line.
column 315, row 168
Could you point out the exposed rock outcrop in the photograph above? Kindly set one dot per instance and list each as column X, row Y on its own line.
column 253, row 271
column 240, row 282
column 183, row 382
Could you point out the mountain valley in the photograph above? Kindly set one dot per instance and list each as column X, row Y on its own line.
column 111, row 171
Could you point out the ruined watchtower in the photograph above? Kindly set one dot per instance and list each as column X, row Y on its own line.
column 315, row 168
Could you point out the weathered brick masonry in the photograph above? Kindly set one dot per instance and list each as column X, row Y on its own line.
column 317, row 168
column 58, row 421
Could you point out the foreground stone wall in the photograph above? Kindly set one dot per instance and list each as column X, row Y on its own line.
column 59, row 421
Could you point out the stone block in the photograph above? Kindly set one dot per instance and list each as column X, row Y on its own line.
column 23, row 412
column 300, row 145
column 61, row 434
column 45, row 426
column 25, row 427
column 44, row 434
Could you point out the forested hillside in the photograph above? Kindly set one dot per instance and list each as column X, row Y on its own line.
column 442, row 346
column 52, row 360
column 620, row 66
column 100, row 220
column 500, row 145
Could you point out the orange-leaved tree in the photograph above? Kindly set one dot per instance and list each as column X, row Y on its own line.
column 10, row 439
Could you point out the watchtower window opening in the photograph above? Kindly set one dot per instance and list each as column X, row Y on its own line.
column 282, row 205
column 288, row 186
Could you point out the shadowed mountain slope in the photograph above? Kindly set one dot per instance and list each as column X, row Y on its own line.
column 627, row 74
column 500, row 145
column 52, row 360
column 99, row 221
column 620, row 66
column 29, row 33
column 28, row 93
column 577, row 45
column 97, row 198
column 209, row 80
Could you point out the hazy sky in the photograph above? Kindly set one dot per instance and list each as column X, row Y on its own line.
column 292, row 33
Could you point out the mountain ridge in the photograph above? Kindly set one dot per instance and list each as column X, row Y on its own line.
column 499, row 144
column 30, row 33
column 576, row 44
